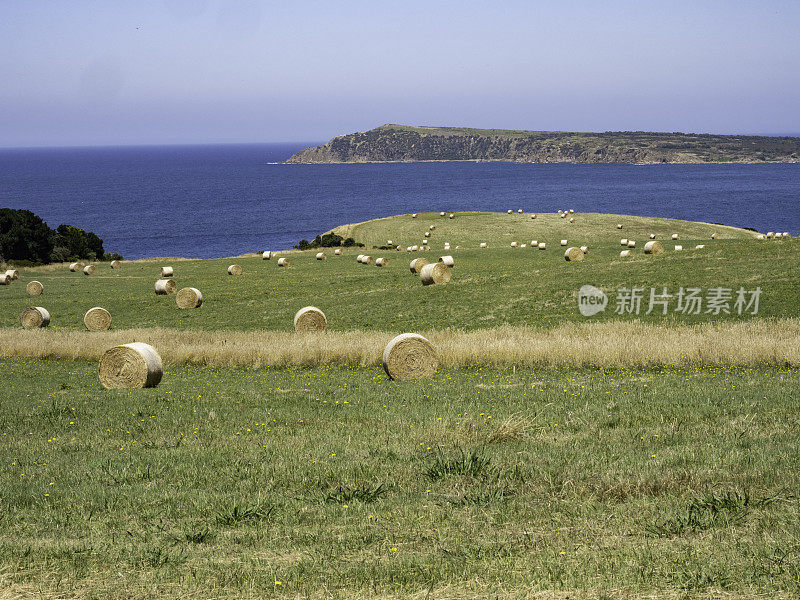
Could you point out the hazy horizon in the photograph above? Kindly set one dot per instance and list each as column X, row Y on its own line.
column 187, row 72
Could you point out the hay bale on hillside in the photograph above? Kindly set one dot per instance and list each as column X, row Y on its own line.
column 572, row 219
column 414, row 216
column 167, row 272
column 189, row 297
column 534, row 243
column 563, row 242
column 448, row 260
column 770, row 235
column 338, row 251
column 619, row 225
column 34, row 288
column 130, row 366
column 366, row 260
column 484, row 245
column 519, row 211
column 12, row 274
column 623, row 242
column 678, row 248
column 34, row 317
column 427, row 234
column 410, row 356
column 359, row 257
column 652, row 236
column 97, row 319
column 786, row 234
column 542, row 246
column 533, row 216
column 415, row 248
column 76, row 266
column 625, row 254
column 399, row 248
column 234, row 270
column 674, row 236
column 4, row 279
column 283, row 262
column 320, row 256
column 89, row 270
column 417, row 264
column 510, row 211
column 389, row 243
column 573, row 254
column 513, row 244
column 714, row 235
column 523, row 245
column 699, row 246
column 441, row 214
column 452, row 216
column 760, row 236
column 631, row 244
column 653, row 247
column 563, row 215
column 115, row 264
column 585, row 249
column 381, row 262
column 165, row 287
column 310, row 319
column 571, row 211
column 266, row 255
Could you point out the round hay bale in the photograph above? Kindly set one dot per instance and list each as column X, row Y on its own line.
column 652, row 236
column 484, row 245
column 513, row 244
column 414, row 248
column 189, row 297
column 510, row 211
column 523, row 245
column 338, row 251
column 115, row 264
column 359, row 257
column 4, row 280
column 585, row 249
column 89, row 270
column 571, row 211
column 678, row 248
column 563, row 215
column 97, row 319
column 399, row 248
column 631, row 244
column 389, row 243
column 770, row 235
column 427, row 234
column 381, row 262
column 321, row 256
column 441, row 214
column 699, row 246
column 533, row 216
column 417, row 264
column 674, row 236
column 12, row 274
column 452, row 216
column 519, row 211
column 266, row 255
column 34, row 316
column 414, row 216
column 34, row 288
column 166, row 287
column 542, row 246
column 572, row 219
column 310, row 318
column 653, row 247
column 625, row 254
column 234, row 270
column 410, row 356
column 76, row 266
column 130, row 366
column 619, row 225
column 366, row 260
column 760, row 236
column 573, row 254
column 623, row 242
column 714, row 235
column 167, row 271
column 563, row 242
column 448, row 260
column 432, row 227
column 786, row 234
column 283, row 262
column 534, row 243
column 560, row 212
column 778, row 235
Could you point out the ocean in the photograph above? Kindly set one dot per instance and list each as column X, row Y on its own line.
column 224, row 200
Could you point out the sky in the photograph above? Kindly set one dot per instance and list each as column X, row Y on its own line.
column 243, row 71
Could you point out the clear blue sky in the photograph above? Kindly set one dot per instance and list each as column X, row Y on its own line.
column 185, row 71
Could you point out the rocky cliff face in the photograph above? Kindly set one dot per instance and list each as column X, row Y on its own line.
column 398, row 143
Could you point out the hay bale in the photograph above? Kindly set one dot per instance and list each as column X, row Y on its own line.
column 310, row 319
column 417, row 264
column 448, row 260
column 427, row 234
column 89, row 270
column 534, row 243
column 571, row 211
column 563, row 242
column 760, row 236
column 366, row 260
column 513, row 244
column 714, row 235
column 283, row 262
column 321, row 256
column 410, row 356
column 484, row 245
column 97, row 319
column 510, row 211
column 359, row 257
column 452, row 216
column 619, row 225
column 519, row 211
column 563, row 215
column 4, row 279
column 585, row 249
column 12, row 274
column 167, row 272
column 699, row 246
column 542, row 246
column 441, row 214
column 414, row 248
column 678, row 248
column 34, row 317
column 381, row 262
column 165, row 287
column 786, row 234
column 674, row 236
column 523, row 245
column 234, row 270
column 652, row 236
column 573, row 254
column 189, row 297
column 389, row 243
column 533, row 216
column 266, row 255
column 130, row 366
column 115, row 264
column 76, row 266
column 432, row 227
column 770, row 235
column 631, row 244
column 338, row 251
column 653, row 247
column 623, row 242
column 625, row 254
column 572, row 219
column 414, row 216
column 34, row 288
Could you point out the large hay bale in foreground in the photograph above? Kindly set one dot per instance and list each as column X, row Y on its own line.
column 448, row 260
column 115, row 264
column 432, row 273
column 89, row 270
column 34, row 288
column 189, row 297
column 97, row 319
column 12, row 274
column 165, row 287
column 573, row 254
column 167, row 271
column 410, row 356
column 234, row 270
column 653, row 247
column 130, row 366
column 34, row 316
column 417, row 264
column 381, row 262
column 310, row 318
column 283, row 262
column 76, row 266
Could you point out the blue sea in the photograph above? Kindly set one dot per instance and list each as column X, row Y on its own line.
column 223, row 200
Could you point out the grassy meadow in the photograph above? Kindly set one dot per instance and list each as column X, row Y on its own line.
column 552, row 456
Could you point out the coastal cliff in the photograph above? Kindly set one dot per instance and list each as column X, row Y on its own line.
column 402, row 143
